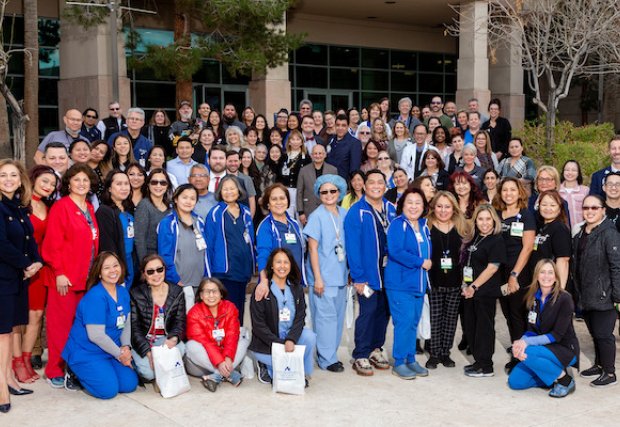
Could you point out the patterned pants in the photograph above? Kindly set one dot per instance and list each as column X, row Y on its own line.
column 444, row 305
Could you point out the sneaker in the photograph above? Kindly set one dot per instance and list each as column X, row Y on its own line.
column 559, row 390
column 210, row 382
column 363, row 367
column 447, row 362
column 478, row 372
column 36, row 362
column 378, row 359
column 235, row 378
column 56, row 382
column 594, row 371
column 262, row 373
column 419, row 370
column 604, row 380
column 468, row 367
column 432, row 362
column 335, row 367
column 71, row 381
column 510, row 365
column 403, row 372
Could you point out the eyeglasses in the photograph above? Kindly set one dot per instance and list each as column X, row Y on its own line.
column 591, row 208
column 163, row 183
column 199, row 175
column 324, row 192
column 383, row 158
column 364, row 133
column 114, row 109
column 210, row 291
column 435, row 102
column 152, row 271
column 91, row 117
column 612, row 185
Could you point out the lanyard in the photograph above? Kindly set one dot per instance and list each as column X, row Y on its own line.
column 382, row 217
column 274, row 227
column 473, row 248
column 336, row 228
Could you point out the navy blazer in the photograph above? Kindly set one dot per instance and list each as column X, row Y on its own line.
column 18, row 249
column 345, row 154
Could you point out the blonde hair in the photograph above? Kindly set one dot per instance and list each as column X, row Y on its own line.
column 497, row 228
column 25, row 189
column 487, row 147
column 551, row 171
column 530, row 296
column 460, row 223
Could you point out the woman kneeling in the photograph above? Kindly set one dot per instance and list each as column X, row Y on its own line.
column 550, row 345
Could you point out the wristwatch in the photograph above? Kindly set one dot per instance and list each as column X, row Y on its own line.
column 514, row 274
column 474, row 287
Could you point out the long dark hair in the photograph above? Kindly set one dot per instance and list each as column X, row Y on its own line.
column 253, row 171
column 35, row 173
column 475, row 195
column 106, row 196
column 94, row 275
column 167, row 199
column 294, row 276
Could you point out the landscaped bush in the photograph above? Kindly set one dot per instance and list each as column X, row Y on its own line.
column 587, row 144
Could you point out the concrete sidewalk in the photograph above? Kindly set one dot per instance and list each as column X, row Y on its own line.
column 445, row 398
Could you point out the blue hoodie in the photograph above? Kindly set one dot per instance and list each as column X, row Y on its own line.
column 362, row 242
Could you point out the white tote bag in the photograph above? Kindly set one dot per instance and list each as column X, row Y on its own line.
column 169, row 371
column 288, row 369
column 424, row 327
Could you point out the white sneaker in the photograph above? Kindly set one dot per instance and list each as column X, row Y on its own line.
column 378, row 359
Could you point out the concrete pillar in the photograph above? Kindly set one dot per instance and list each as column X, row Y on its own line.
column 473, row 63
column 86, row 77
column 506, row 83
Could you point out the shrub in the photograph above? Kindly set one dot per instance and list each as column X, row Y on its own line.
column 586, row 144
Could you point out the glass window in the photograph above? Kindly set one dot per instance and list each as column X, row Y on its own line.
column 404, row 81
column 155, row 95
column 344, row 56
column 344, row 78
column 239, row 79
column 16, row 84
column 450, row 63
column 291, row 74
column 450, row 80
column 431, row 83
column 402, row 60
column 48, row 120
column 375, row 58
column 431, row 62
column 48, row 91
column 13, row 31
column 49, row 32
column 312, row 77
column 374, row 80
column 312, row 54
column 16, row 63
column 214, row 96
column 370, row 97
column 209, row 72
column 49, row 62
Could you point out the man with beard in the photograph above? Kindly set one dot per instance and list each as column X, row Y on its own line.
column 229, row 118
column 185, row 125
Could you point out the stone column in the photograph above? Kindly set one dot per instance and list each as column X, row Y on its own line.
column 506, row 83
column 86, row 70
column 473, row 63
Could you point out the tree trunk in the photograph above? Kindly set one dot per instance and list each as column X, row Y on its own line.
column 31, row 77
column 18, row 123
column 550, row 128
column 6, row 150
column 182, row 35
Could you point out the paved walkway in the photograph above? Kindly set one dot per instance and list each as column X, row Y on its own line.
column 445, row 398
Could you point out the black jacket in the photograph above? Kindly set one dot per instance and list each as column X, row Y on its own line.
column 265, row 320
column 111, row 235
column 596, row 268
column 111, row 126
column 142, row 315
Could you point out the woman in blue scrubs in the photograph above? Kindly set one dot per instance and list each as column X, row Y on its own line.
column 98, row 350
column 327, row 272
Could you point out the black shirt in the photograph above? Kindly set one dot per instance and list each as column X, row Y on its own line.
column 487, row 250
column 553, row 240
column 614, row 215
column 445, row 245
column 514, row 243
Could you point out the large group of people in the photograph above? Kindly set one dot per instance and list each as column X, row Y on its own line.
column 127, row 235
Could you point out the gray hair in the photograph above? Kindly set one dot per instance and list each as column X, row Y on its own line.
column 305, row 102
column 470, row 147
column 242, row 193
column 405, row 99
column 473, row 100
column 136, row 110
column 199, row 166
column 234, row 129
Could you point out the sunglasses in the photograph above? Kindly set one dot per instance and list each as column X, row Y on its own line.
column 114, row 109
column 152, row 271
column 163, row 183
column 324, row 192
column 91, row 117
column 591, row 208
column 364, row 133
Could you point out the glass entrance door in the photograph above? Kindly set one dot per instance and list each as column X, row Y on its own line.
column 324, row 100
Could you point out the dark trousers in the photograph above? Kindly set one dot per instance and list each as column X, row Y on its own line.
column 371, row 324
column 601, row 326
column 444, row 305
column 480, row 329
column 236, row 295
column 513, row 307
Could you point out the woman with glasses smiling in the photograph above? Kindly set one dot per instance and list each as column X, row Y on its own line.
column 151, row 210
column 157, row 316
column 397, row 144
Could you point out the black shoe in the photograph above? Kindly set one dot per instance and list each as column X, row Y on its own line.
column 447, row 362
column 335, row 367
column 509, row 350
column 462, row 345
column 20, row 392
column 5, row 408
column 71, row 381
column 418, row 347
column 468, row 367
column 477, row 372
column 510, row 365
column 307, row 383
column 604, row 380
column 432, row 362
column 427, row 346
column 468, row 351
column 262, row 373
column 36, row 362
column 594, row 371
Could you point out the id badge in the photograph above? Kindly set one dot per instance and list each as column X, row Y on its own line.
column 120, row 321
column 94, row 231
column 531, row 317
column 384, row 261
column 418, row 237
column 340, row 252
column 218, row 334
column 468, row 274
column 285, row 171
column 142, row 162
column 246, row 237
column 516, row 229
column 290, row 238
column 159, row 321
column 285, row 315
column 446, row 263
column 130, row 230
column 200, row 243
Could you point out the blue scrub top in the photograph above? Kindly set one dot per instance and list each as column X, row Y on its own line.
column 320, row 227
column 128, row 230
column 97, row 308
column 284, row 299
column 295, row 248
column 239, row 252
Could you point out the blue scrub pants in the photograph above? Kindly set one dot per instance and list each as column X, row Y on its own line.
column 327, row 312
column 142, row 365
column 540, row 369
column 406, row 309
column 371, row 324
column 307, row 338
column 236, row 295
column 105, row 377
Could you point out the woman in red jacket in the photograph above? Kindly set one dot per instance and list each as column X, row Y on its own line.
column 70, row 245
column 214, row 347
